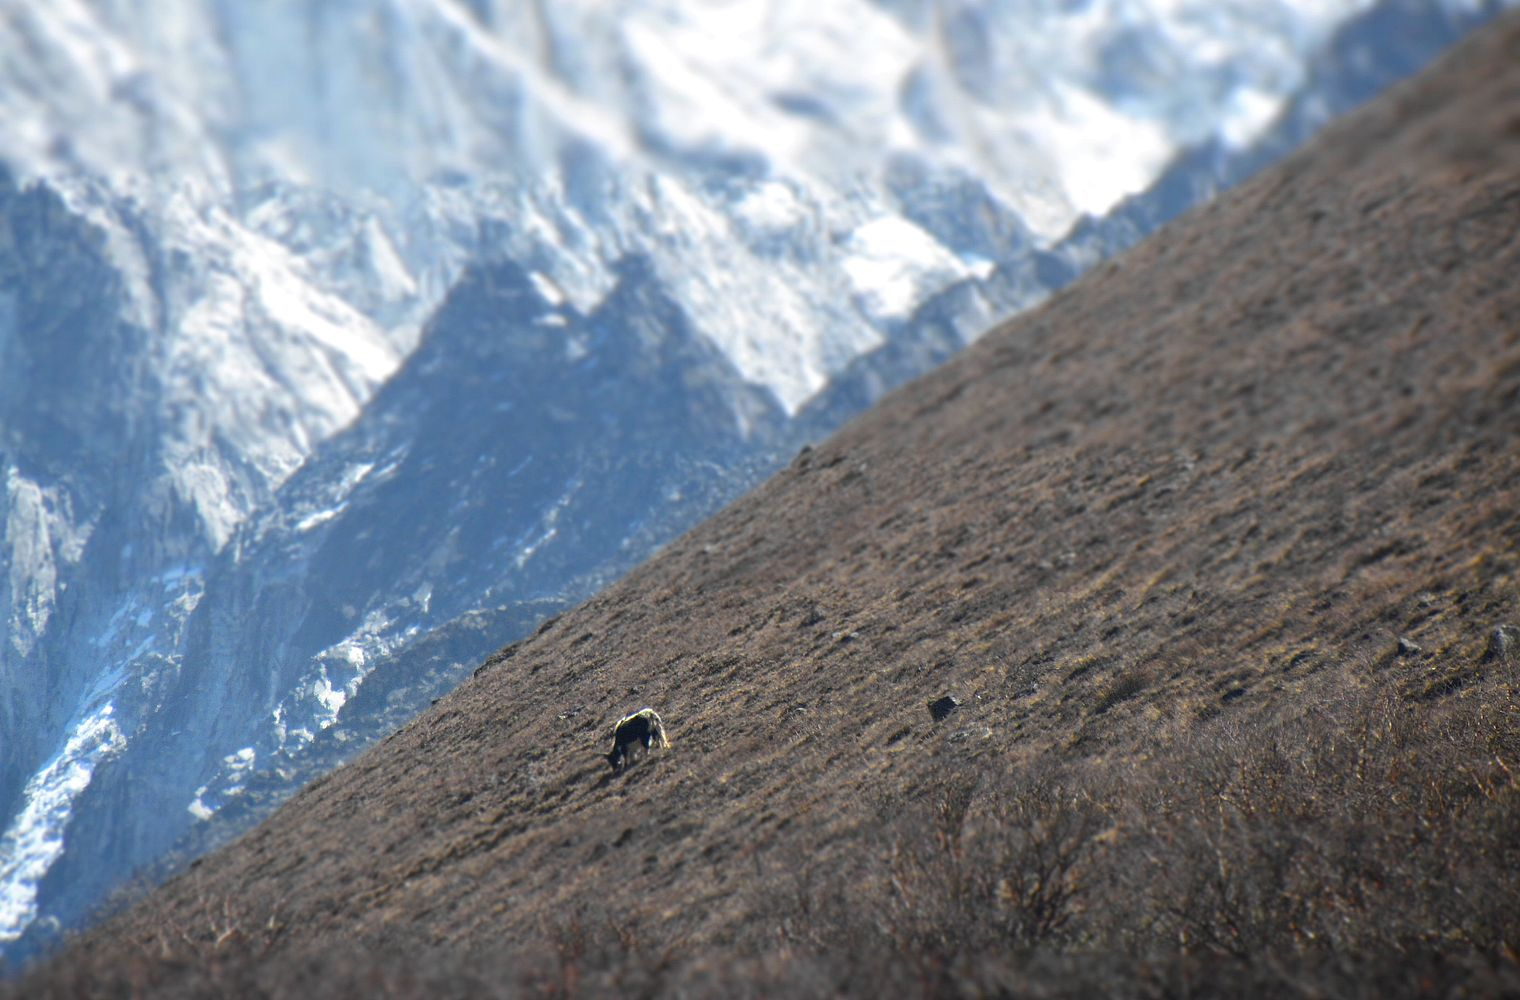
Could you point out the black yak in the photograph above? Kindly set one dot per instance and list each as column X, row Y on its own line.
column 643, row 726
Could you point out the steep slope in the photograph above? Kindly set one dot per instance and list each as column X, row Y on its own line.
column 1265, row 458
column 477, row 482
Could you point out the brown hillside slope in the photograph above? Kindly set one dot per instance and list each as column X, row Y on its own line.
column 1160, row 535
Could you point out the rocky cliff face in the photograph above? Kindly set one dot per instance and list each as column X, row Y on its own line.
column 127, row 460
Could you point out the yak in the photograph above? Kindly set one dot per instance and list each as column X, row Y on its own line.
column 643, row 726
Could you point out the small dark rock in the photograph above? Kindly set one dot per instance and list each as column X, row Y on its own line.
column 1233, row 694
column 941, row 707
column 1503, row 644
column 1409, row 648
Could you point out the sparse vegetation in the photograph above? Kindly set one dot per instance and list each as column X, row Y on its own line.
column 1366, row 847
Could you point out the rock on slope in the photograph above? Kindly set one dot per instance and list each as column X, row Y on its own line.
column 1213, row 478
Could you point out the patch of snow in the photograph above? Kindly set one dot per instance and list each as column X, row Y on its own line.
column 330, row 698
column 319, row 697
column 387, row 269
column 34, row 839
column 547, row 289
column 766, row 316
column 1106, row 155
column 241, row 760
column 311, row 521
column 528, row 545
column 893, row 265
column 1251, row 112
column 770, row 211
column 562, row 122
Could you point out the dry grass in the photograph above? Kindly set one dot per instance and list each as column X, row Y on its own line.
column 1365, row 847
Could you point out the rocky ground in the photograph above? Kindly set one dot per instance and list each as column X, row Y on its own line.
column 1219, row 553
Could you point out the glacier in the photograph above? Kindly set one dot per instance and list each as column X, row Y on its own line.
column 342, row 344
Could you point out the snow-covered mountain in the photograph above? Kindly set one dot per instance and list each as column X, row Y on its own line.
column 341, row 343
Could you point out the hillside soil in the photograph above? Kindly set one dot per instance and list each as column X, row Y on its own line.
column 1218, row 552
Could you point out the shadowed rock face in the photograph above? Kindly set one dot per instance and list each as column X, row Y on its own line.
column 1218, row 475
